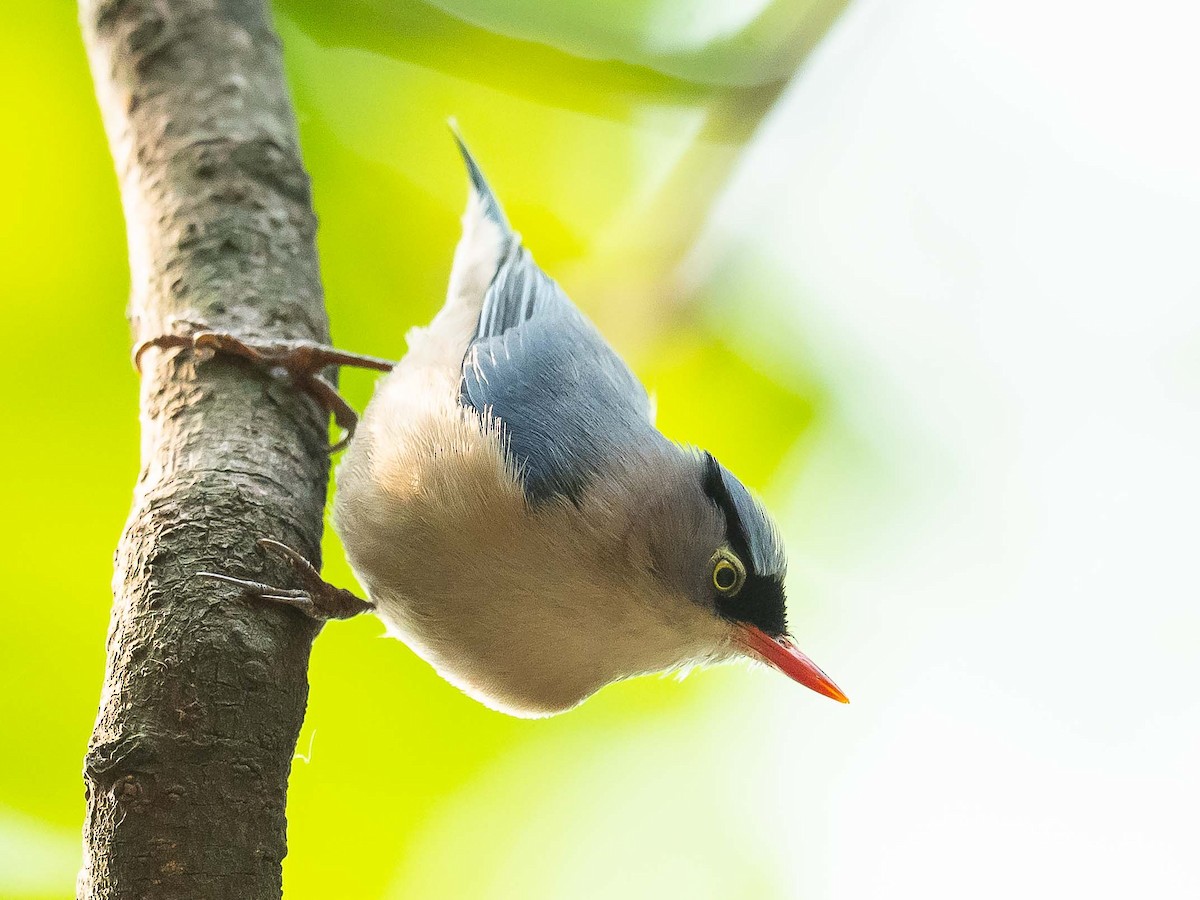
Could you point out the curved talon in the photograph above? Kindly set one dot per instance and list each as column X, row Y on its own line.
column 169, row 340
column 302, row 565
column 343, row 414
column 162, row 342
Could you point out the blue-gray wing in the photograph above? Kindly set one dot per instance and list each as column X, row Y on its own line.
column 566, row 402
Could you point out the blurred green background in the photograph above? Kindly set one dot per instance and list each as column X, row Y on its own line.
column 945, row 278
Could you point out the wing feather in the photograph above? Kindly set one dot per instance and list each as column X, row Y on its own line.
column 567, row 403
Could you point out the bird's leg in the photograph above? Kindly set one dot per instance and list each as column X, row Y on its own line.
column 302, row 360
column 298, row 358
column 317, row 598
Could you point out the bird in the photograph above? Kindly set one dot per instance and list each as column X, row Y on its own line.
column 515, row 516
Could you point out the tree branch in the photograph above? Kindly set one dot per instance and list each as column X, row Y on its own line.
column 204, row 694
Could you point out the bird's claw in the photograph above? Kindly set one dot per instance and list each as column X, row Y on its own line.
column 302, row 360
column 317, row 598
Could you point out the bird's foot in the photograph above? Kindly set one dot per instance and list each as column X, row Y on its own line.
column 302, row 360
column 317, row 598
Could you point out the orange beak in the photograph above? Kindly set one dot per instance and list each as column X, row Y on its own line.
column 780, row 653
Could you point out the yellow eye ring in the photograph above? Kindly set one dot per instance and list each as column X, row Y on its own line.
column 728, row 573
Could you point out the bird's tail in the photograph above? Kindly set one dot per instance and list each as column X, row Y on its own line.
column 491, row 206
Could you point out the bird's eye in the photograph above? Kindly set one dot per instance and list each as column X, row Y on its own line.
column 728, row 573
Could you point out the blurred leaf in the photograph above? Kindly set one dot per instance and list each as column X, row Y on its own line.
column 711, row 42
column 646, row 50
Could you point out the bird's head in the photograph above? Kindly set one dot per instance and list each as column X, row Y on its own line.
column 719, row 566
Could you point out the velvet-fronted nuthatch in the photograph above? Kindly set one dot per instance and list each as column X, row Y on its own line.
column 514, row 514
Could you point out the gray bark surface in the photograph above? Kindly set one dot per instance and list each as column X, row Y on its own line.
column 204, row 693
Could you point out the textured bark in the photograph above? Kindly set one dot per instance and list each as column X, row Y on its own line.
column 204, row 693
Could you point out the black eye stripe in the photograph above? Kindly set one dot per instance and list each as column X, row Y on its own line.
column 714, row 487
column 759, row 600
